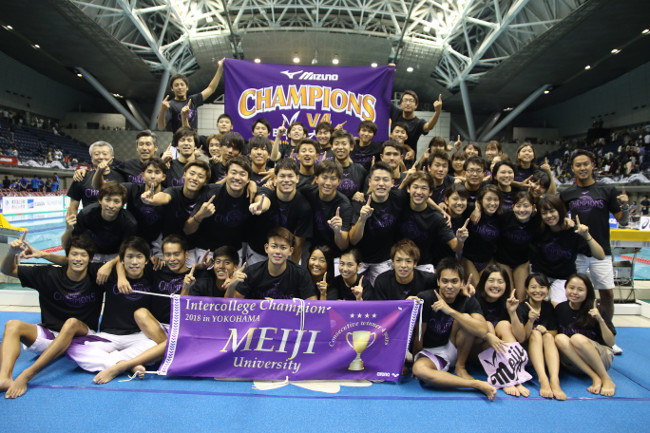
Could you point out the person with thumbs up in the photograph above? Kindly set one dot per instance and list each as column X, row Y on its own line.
column 376, row 220
column 585, row 335
column 450, row 322
column 417, row 127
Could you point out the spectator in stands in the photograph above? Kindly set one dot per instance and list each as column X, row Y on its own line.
column 34, row 184
column 48, row 185
column 6, row 182
column 14, row 152
column 55, row 183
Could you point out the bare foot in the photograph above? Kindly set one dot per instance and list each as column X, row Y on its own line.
column 18, row 388
column 523, row 390
column 109, row 374
column 558, row 394
column 486, row 389
column 595, row 386
column 462, row 372
column 511, row 390
column 608, row 388
column 545, row 390
column 5, row 384
column 139, row 370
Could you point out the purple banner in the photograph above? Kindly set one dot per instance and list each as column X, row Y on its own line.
column 307, row 94
column 276, row 339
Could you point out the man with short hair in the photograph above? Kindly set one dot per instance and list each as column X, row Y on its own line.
column 593, row 202
column 392, row 153
column 147, row 148
column 259, row 155
column 185, row 141
column 331, row 209
column 81, row 190
column 105, row 222
column 354, row 175
column 416, row 127
column 376, row 220
column 224, row 123
column 475, row 168
column 169, row 117
column 295, row 133
column 277, row 277
column 403, row 281
column 438, row 168
column 307, row 155
column 70, row 303
column 448, row 315
column 232, row 144
column 285, row 207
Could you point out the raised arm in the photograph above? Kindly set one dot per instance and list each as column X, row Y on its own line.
column 212, row 87
column 437, row 107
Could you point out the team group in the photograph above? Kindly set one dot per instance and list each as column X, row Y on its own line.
column 494, row 253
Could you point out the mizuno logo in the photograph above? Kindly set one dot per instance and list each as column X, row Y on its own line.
column 310, row 76
column 290, row 74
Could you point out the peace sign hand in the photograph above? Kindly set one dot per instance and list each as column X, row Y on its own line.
column 581, row 229
column 468, row 289
column 234, row 279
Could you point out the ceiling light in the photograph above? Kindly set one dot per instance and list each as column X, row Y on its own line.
column 373, row 64
column 335, row 61
column 117, row 95
column 7, row 27
column 508, row 109
column 615, row 51
column 36, row 46
column 79, row 75
column 257, row 60
column 587, row 67
column 296, row 59
column 546, row 92
column 409, row 69
column 644, row 32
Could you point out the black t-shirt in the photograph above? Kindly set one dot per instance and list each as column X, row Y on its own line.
column 60, row 298
column 294, row 215
column 546, row 316
column 173, row 119
column 494, row 312
column 174, row 176
column 119, row 309
column 341, row 291
column 388, row 289
column 426, row 228
column 515, row 237
column 107, row 235
column 481, row 244
column 593, row 204
column 508, row 198
column 554, row 253
column 180, row 208
column 217, row 172
column 84, row 192
column 521, row 174
column 382, row 227
column 149, row 218
column 166, row 282
column 363, row 154
column 566, row 323
column 438, row 323
column 304, row 180
column 438, row 192
column 294, row 282
column 227, row 226
column 323, row 211
column 440, row 249
column 415, row 126
column 206, row 285
column 354, row 176
column 131, row 170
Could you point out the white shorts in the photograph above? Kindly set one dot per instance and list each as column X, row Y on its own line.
column 253, row 257
column 45, row 337
column 600, row 271
column 426, row 268
column 99, row 351
column 195, row 255
column 557, row 290
column 372, row 270
column 103, row 258
column 443, row 356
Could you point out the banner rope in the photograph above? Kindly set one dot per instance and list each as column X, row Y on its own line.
column 150, row 293
column 302, row 312
column 420, row 301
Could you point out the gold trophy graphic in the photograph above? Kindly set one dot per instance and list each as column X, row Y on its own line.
column 359, row 343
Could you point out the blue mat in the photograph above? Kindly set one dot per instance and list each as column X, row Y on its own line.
column 63, row 398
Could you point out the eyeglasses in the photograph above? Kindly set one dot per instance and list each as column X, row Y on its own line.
column 475, row 171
